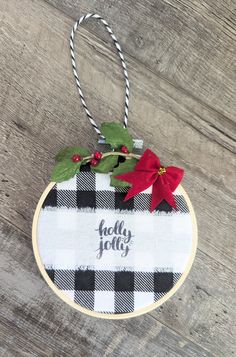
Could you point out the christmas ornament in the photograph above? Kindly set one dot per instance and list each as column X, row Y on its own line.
column 114, row 234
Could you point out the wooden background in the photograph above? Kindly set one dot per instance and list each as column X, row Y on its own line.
column 181, row 62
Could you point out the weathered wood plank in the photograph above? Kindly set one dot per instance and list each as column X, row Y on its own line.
column 200, row 305
column 35, row 108
column 51, row 46
column 203, row 307
column 42, row 325
column 40, row 112
column 207, row 290
column 209, row 282
column 190, row 43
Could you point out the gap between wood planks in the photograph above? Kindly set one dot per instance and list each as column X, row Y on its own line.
column 156, row 74
column 180, row 334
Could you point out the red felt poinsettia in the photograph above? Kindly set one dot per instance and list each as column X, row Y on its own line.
column 149, row 172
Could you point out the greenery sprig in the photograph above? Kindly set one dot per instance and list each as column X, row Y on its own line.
column 70, row 160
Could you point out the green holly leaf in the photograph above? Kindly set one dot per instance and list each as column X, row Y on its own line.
column 64, row 170
column 116, row 135
column 67, row 153
column 127, row 166
column 106, row 164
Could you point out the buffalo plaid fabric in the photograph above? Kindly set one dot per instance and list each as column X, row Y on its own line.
column 117, row 289
column 113, row 292
column 90, row 190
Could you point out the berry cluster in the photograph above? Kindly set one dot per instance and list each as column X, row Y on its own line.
column 96, row 157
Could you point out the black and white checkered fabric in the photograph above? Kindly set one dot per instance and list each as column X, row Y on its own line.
column 113, row 292
column 110, row 288
column 86, row 190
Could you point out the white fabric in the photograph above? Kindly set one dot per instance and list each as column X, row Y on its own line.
column 67, row 239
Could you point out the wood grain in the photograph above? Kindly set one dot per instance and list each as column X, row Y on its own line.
column 185, row 115
column 190, row 43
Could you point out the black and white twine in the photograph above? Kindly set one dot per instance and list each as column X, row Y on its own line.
column 75, row 27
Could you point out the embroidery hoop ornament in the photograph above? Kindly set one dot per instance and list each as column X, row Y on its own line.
column 166, row 180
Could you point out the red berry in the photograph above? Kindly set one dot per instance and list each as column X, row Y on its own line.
column 94, row 162
column 97, row 155
column 76, row 158
column 124, row 149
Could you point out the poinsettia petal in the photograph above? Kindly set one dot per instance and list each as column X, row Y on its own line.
column 148, row 162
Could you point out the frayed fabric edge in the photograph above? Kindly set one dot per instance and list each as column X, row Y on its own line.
column 113, row 269
column 115, row 211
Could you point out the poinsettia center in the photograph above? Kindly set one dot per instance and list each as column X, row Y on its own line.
column 161, row 171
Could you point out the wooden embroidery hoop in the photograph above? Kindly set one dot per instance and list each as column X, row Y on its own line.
column 138, row 312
